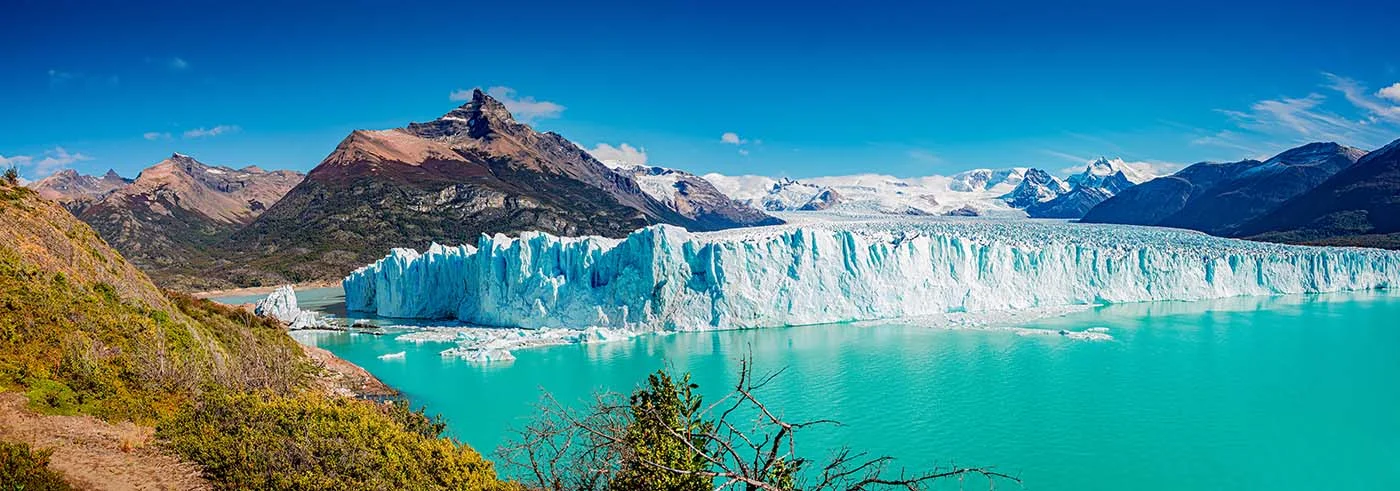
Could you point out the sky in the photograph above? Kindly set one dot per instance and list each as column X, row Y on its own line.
column 783, row 89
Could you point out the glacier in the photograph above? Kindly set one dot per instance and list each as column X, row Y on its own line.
column 663, row 278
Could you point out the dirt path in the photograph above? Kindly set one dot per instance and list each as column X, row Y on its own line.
column 89, row 452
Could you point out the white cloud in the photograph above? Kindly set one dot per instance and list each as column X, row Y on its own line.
column 1392, row 92
column 209, row 132
column 924, row 156
column 732, row 138
column 460, row 95
column 43, row 165
column 525, row 108
column 178, row 63
column 744, row 152
column 621, row 154
column 155, row 135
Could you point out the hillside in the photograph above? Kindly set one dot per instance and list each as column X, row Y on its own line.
column 1358, row 206
column 168, row 219
column 1218, row 198
column 85, row 333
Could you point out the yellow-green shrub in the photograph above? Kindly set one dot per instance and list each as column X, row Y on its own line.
column 308, row 441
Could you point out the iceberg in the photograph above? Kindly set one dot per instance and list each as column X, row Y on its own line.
column 281, row 304
column 663, row 278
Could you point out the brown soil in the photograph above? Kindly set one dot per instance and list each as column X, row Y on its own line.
column 256, row 290
column 93, row 454
column 344, row 378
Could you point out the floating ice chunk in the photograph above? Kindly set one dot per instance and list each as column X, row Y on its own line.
column 281, row 304
column 393, row 356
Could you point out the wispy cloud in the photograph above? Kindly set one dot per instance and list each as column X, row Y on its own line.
column 177, row 63
column 45, row 164
column 211, row 132
column 732, row 138
column 523, row 108
column 1065, row 156
column 155, row 135
column 621, row 154
column 59, row 77
column 1359, row 117
column 924, row 156
column 1358, row 96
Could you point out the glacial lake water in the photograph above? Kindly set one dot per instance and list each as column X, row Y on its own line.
column 1279, row 393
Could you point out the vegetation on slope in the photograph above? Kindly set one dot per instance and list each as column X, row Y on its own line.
column 26, row 469
column 82, row 332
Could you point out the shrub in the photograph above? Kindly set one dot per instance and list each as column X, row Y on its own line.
column 25, row 469
column 309, row 441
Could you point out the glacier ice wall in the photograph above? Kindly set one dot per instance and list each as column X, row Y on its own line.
column 663, row 277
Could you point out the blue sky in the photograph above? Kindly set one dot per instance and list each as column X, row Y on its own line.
column 803, row 89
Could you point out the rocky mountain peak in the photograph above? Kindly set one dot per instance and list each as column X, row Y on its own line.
column 112, row 175
column 478, row 118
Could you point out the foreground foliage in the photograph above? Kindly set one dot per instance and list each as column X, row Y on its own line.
column 265, row 441
column 663, row 437
column 26, row 469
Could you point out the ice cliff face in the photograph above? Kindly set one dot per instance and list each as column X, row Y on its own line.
column 665, row 278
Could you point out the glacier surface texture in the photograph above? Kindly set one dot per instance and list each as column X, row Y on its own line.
column 664, row 278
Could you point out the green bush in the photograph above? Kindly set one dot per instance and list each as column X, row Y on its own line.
column 312, row 442
column 25, row 469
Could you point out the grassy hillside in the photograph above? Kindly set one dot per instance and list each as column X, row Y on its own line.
column 83, row 332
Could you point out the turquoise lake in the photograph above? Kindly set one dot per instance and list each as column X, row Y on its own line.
column 1277, row 393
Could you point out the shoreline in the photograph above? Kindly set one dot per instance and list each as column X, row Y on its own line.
column 262, row 290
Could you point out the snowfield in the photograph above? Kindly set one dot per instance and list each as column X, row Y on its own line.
column 663, row 278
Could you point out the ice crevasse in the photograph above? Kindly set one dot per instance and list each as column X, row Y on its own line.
column 664, row 278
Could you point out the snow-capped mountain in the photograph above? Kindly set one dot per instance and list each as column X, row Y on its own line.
column 693, row 197
column 977, row 180
column 780, row 194
column 1101, row 179
column 875, row 193
column 1036, row 186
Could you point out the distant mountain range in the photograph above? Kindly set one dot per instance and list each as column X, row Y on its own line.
column 1315, row 193
column 169, row 219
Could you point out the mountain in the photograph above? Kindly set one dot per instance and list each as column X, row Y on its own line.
column 780, row 194
column 1217, row 198
column 76, row 191
column 1036, row 186
column 168, row 218
column 1100, row 180
column 1359, row 205
column 976, row 180
column 878, row 194
column 472, row 171
column 695, row 198
column 1262, row 188
column 1152, row 202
